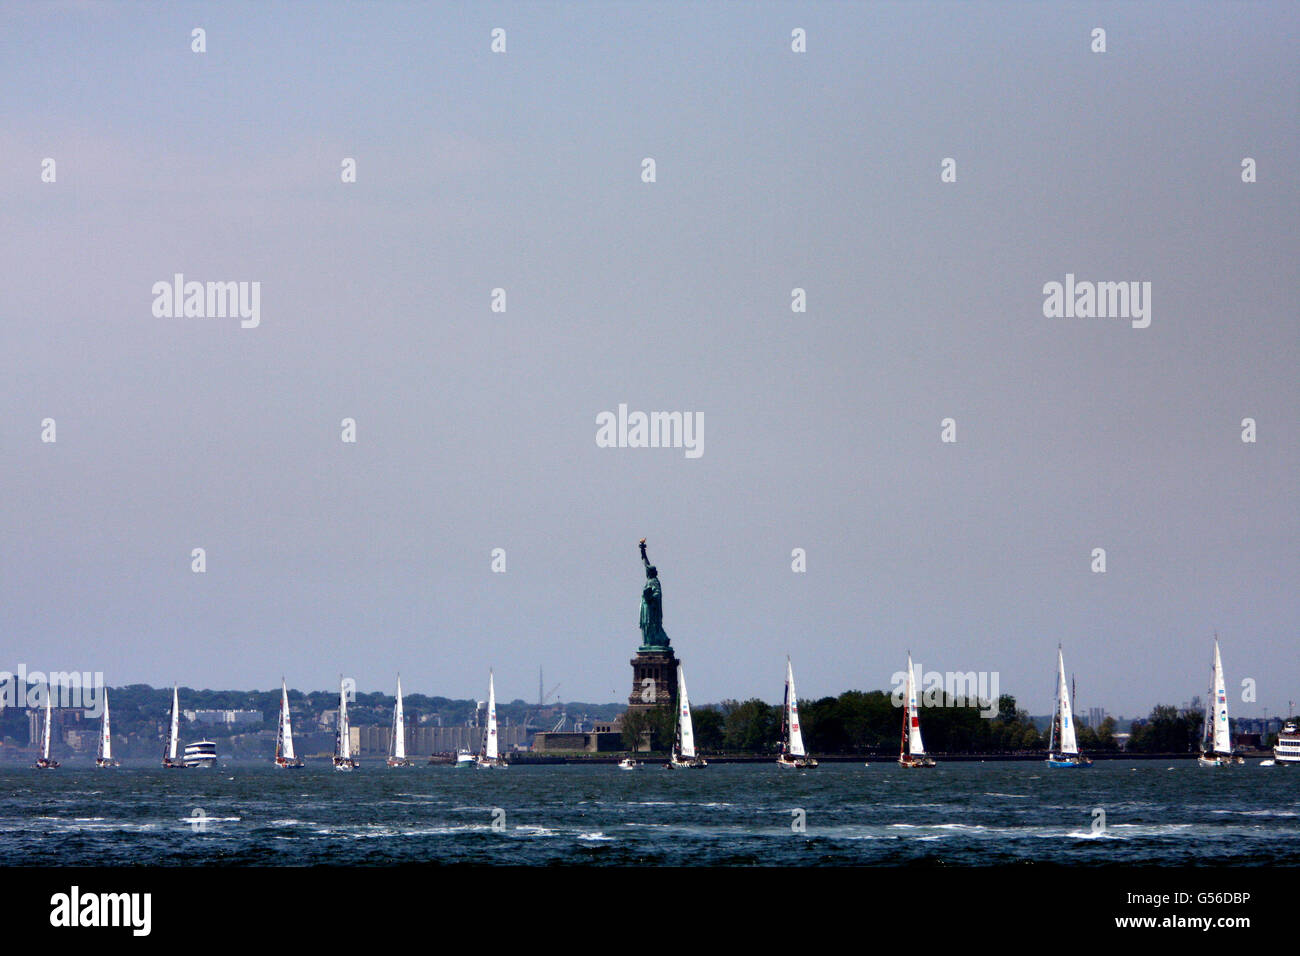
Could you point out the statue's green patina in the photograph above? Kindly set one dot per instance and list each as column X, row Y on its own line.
column 653, row 636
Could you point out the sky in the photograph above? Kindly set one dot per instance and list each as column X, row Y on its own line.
column 476, row 429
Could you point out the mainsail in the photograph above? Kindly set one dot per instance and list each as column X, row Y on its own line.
column 399, row 725
column 105, row 738
column 685, row 730
column 1219, row 692
column 1068, row 743
column 174, row 737
column 345, row 733
column 490, row 750
column 795, row 741
column 284, row 735
column 914, row 744
column 45, row 737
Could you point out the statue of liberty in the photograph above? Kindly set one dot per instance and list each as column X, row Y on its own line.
column 653, row 637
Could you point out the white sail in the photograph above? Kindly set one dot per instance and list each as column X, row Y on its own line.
column 286, row 730
column 399, row 725
column 105, row 738
column 795, row 742
column 1069, row 744
column 490, row 750
column 45, row 738
column 174, row 737
column 345, row 732
column 914, row 743
column 1222, row 740
column 686, row 729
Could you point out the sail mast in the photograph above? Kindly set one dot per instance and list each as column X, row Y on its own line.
column 915, row 746
column 1222, row 739
column 105, row 738
column 491, row 751
column 284, row 743
column 345, row 733
column 792, row 698
column 1069, row 744
column 45, row 739
column 176, row 724
column 399, row 725
column 685, row 727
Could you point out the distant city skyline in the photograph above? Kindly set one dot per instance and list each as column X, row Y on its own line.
column 840, row 268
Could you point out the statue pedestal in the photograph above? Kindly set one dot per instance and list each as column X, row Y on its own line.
column 654, row 680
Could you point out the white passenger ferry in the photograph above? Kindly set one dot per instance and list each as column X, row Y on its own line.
column 1287, row 749
column 201, row 753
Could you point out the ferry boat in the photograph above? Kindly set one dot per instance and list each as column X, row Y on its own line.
column 201, row 753
column 1287, row 748
column 911, row 749
column 45, row 761
column 792, row 754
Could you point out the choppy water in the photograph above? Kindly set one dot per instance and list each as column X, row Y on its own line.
column 958, row 813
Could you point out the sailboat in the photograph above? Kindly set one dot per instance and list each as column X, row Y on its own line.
column 284, row 756
column 792, row 752
column 104, row 758
column 683, row 755
column 343, row 759
column 1067, row 754
column 1216, row 743
column 911, row 749
column 490, row 755
column 397, row 758
column 45, row 761
column 171, row 758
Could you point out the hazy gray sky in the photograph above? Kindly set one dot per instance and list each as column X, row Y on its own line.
column 476, row 429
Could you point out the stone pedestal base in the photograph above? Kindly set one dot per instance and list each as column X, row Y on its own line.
column 654, row 680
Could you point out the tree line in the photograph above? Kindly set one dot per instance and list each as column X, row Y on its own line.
column 869, row 722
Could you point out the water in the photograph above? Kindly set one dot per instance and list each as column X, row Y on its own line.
column 1156, row 812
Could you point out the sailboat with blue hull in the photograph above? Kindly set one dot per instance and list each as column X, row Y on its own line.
column 1063, row 746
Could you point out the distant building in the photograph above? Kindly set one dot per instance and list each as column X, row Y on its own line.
column 231, row 718
column 606, row 736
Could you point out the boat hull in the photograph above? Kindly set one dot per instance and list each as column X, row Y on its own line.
column 43, row 763
column 677, row 763
column 345, row 764
column 796, row 763
column 1220, row 760
column 283, row 764
column 1062, row 762
column 910, row 762
column 399, row 762
column 101, row 762
column 483, row 763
